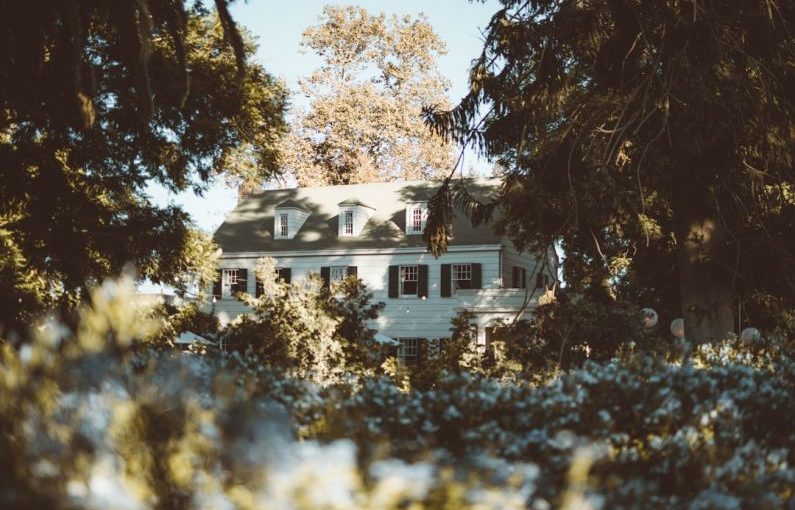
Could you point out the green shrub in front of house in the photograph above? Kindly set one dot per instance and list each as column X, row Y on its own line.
column 95, row 418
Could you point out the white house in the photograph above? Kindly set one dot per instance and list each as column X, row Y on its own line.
column 375, row 232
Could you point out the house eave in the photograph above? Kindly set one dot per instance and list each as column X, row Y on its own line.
column 356, row 251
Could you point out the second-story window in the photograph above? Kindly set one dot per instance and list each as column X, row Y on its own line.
column 348, row 225
column 462, row 276
column 408, row 280
column 283, row 226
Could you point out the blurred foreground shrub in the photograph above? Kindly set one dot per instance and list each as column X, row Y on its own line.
column 98, row 419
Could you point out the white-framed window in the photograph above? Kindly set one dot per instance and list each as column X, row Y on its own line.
column 337, row 273
column 416, row 217
column 283, row 225
column 347, row 226
column 408, row 280
column 462, row 276
column 416, row 220
column 228, row 282
column 408, row 349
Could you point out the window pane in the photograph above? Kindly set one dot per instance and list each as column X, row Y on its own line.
column 408, row 348
column 338, row 273
column 281, row 273
column 416, row 220
column 408, row 280
column 228, row 280
column 462, row 276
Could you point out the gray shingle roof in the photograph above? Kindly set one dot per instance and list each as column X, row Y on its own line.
column 291, row 204
column 249, row 227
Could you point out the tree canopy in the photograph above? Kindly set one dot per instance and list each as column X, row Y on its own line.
column 365, row 119
column 97, row 101
column 653, row 140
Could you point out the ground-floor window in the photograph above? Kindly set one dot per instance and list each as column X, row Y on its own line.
column 228, row 282
column 337, row 273
column 408, row 350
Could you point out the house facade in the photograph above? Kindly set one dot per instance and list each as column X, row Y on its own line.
column 374, row 231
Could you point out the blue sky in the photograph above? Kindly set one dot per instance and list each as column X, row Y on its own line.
column 278, row 26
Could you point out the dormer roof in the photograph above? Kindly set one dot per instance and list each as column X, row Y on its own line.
column 354, row 202
column 291, row 204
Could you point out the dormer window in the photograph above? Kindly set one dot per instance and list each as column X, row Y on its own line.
column 284, row 227
column 416, row 220
column 348, row 223
column 416, row 217
column 353, row 217
column 288, row 219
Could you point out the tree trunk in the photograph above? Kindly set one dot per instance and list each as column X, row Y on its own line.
column 703, row 256
column 704, row 285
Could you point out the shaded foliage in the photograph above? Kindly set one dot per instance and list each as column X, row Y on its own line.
column 92, row 418
column 97, row 101
column 652, row 140
column 307, row 329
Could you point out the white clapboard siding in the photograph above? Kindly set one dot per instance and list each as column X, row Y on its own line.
column 404, row 316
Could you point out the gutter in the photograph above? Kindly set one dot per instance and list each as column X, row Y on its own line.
column 358, row 251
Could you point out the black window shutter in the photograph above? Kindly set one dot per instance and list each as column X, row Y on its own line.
column 394, row 282
column 477, row 276
column 286, row 274
column 242, row 277
column 422, row 281
column 519, row 277
column 217, row 285
column 446, row 281
column 325, row 275
column 352, row 271
column 540, row 280
column 259, row 289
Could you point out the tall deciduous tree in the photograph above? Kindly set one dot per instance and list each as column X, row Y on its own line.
column 365, row 120
column 654, row 140
column 97, row 100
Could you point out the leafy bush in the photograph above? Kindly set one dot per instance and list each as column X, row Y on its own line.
column 95, row 419
column 289, row 327
column 567, row 330
column 307, row 328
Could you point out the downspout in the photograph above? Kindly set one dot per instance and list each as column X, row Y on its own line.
column 499, row 267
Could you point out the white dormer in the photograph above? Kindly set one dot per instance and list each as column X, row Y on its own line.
column 416, row 218
column 288, row 219
column 353, row 216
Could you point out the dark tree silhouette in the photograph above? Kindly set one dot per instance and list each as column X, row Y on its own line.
column 654, row 135
column 98, row 99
